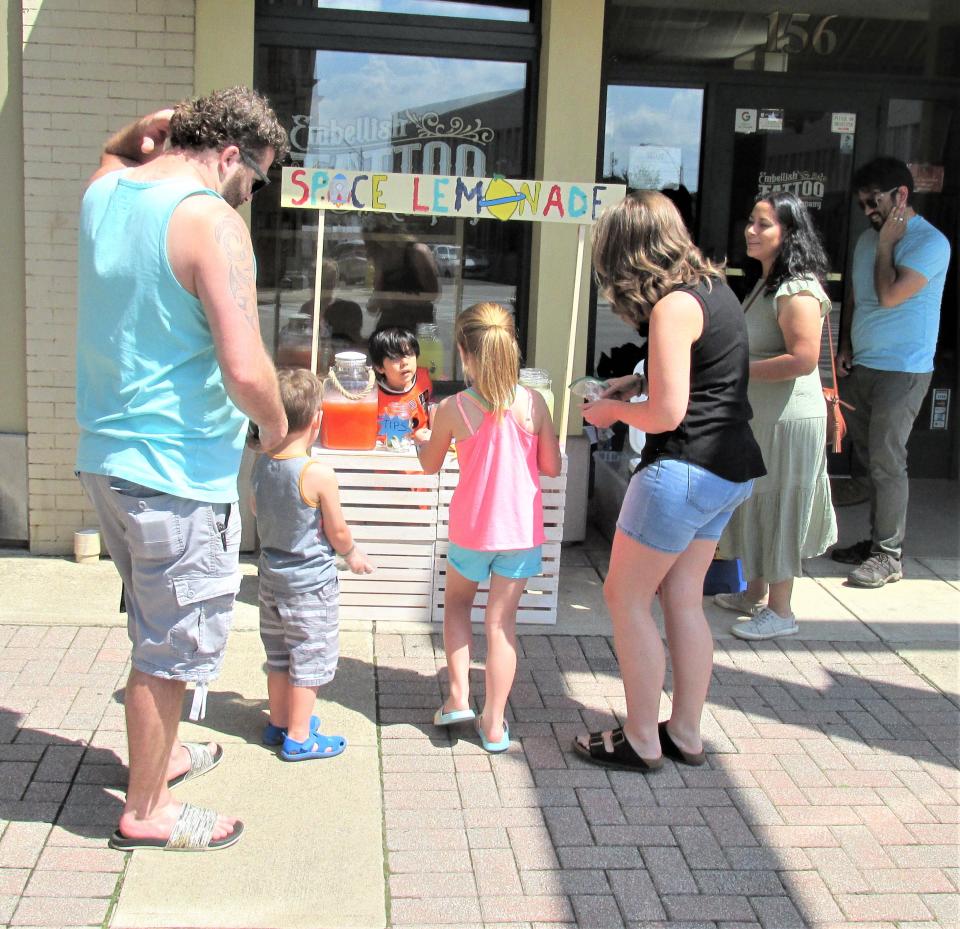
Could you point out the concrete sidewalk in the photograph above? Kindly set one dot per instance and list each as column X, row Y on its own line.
column 830, row 797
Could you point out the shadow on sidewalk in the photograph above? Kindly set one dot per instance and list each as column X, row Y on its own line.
column 64, row 782
column 830, row 780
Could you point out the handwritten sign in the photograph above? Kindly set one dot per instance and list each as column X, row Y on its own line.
column 462, row 197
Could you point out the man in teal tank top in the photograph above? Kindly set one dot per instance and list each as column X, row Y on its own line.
column 170, row 365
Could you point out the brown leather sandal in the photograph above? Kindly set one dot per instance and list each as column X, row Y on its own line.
column 675, row 752
column 623, row 757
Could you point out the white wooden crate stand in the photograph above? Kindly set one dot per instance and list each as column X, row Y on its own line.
column 399, row 516
column 391, row 508
column 539, row 601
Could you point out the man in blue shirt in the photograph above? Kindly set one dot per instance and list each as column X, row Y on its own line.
column 886, row 354
column 170, row 365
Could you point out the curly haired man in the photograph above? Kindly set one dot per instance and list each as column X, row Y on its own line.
column 170, row 365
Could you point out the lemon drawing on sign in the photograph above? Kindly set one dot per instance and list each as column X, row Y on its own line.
column 501, row 199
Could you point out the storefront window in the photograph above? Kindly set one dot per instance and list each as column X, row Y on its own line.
column 490, row 11
column 651, row 141
column 395, row 113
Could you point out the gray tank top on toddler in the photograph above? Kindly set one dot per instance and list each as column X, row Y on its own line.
column 295, row 555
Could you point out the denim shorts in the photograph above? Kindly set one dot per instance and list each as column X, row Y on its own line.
column 301, row 633
column 671, row 503
column 179, row 563
column 478, row 566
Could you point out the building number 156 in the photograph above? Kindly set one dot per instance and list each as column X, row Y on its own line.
column 789, row 32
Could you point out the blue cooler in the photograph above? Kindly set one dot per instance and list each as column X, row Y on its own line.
column 724, row 577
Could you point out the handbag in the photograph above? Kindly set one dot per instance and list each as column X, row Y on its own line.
column 836, row 424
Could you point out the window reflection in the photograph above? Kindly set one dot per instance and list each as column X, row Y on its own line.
column 431, row 8
column 652, row 141
column 394, row 113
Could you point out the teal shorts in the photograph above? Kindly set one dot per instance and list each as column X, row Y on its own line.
column 478, row 566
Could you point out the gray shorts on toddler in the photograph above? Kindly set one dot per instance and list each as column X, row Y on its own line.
column 301, row 633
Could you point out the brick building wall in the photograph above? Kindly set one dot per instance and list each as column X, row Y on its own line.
column 89, row 67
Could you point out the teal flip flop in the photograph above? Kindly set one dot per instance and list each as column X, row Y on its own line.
column 274, row 735
column 493, row 747
column 454, row 716
column 314, row 746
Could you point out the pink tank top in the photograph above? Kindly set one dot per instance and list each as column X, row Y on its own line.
column 497, row 504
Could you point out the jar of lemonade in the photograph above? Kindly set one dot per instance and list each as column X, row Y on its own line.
column 431, row 350
column 538, row 379
column 349, row 404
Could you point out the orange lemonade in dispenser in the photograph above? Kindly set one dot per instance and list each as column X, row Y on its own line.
column 349, row 404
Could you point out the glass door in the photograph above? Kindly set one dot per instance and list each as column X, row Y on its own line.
column 651, row 140
column 804, row 141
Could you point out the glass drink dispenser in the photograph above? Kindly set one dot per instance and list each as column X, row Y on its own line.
column 349, row 404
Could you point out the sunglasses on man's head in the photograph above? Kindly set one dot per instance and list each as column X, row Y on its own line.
column 262, row 180
column 870, row 203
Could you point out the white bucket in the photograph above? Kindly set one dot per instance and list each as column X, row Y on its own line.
column 86, row 546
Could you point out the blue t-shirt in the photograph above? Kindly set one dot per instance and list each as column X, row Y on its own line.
column 902, row 337
column 151, row 403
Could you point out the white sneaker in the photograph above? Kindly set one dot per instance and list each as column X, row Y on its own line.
column 736, row 603
column 765, row 625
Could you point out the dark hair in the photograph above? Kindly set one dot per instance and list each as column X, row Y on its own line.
column 345, row 319
column 392, row 342
column 642, row 250
column 300, row 394
column 234, row 116
column 801, row 250
column 883, row 173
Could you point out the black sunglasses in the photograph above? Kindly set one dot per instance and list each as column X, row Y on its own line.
column 870, row 203
column 262, row 180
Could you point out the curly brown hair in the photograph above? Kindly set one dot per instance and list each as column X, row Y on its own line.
column 234, row 116
column 642, row 251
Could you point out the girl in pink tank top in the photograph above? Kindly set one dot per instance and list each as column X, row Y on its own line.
column 505, row 440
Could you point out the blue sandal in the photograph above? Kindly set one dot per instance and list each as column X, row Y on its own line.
column 493, row 747
column 314, row 746
column 452, row 717
column 274, row 735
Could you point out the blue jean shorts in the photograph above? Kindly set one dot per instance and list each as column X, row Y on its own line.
column 478, row 566
column 179, row 561
column 671, row 503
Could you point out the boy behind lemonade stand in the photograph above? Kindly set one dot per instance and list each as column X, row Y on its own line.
column 301, row 528
column 394, row 352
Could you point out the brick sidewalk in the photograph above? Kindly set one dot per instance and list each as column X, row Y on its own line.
column 828, row 799
column 826, row 802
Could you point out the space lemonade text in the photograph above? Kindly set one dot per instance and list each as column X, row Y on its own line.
column 432, row 195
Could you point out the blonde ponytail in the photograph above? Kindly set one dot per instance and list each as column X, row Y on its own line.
column 486, row 332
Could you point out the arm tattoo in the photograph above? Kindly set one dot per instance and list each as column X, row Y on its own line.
column 232, row 237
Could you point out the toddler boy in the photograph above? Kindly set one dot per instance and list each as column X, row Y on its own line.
column 301, row 527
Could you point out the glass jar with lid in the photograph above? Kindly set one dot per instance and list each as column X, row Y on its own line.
column 538, row 379
column 349, row 404
column 431, row 350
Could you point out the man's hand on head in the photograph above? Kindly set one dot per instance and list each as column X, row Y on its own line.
column 155, row 130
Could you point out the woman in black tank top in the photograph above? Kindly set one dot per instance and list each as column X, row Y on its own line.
column 698, row 465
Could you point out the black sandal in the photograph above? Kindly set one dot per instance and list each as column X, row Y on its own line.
column 623, row 757
column 675, row 752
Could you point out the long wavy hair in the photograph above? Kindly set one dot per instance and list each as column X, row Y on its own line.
column 486, row 333
column 642, row 251
column 801, row 249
